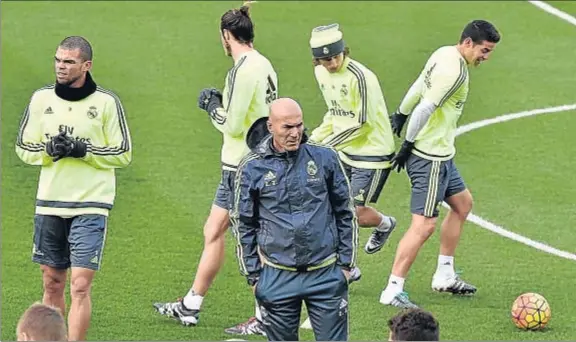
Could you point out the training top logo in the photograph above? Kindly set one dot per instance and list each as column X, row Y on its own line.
column 336, row 110
column 269, row 178
column 428, row 76
column 92, row 112
column 344, row 91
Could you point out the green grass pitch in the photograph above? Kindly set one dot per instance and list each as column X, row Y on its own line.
column 158, row 55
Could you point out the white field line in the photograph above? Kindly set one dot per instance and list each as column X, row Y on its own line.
column 483, row 223
column 554, row 11
column 507, row 117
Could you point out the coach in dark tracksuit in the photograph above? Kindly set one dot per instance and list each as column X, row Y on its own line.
column 293, row 218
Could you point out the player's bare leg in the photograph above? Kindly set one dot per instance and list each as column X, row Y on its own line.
column 445, row 278
column 210, row 263
column 460, row 206
column 54, row 283
column 187, row 310
column 370, row 217
column 213, row 253
column 420, row 230
column 81, row 304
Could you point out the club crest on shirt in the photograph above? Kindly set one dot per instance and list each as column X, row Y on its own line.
column 344, row 90
column 312, row 171
column 311, row 168
column 92, row 112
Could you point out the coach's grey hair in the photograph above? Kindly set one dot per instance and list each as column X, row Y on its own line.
column 77, row 42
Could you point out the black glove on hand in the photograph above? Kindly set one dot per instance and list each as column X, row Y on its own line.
column 399, row 160
column 397, row 120
column 62, row 146
column 58, row 147
column 209, row 99
column 78, row 149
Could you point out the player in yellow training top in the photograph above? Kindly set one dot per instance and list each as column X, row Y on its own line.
column 428, row 154
column 251, row 85
column 77, row 132
column 357, row 126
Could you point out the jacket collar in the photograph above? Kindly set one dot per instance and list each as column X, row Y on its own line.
column 259, row 140
column 266, row 148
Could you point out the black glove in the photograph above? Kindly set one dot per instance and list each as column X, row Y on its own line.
column 401, row 157
column 58, row 147
column 62, row 146
column 78, row 149
column 209, row 99
column 397, row 120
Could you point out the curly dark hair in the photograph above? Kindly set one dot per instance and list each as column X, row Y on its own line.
column 414, row 325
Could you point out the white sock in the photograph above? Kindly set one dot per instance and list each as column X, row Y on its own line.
column 193, row 301
column 445, row 266
column 258, row 314
column 385, row 223
column 395, row 284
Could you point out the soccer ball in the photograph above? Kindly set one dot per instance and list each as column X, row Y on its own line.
column 530, row 311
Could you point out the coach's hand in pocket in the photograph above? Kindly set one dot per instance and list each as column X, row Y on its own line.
column 346, row 274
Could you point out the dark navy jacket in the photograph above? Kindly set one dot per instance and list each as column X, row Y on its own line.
column 295, row 207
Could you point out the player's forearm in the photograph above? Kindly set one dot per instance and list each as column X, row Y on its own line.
column 108, row 157
column 411, row 98
column 339, row 140
column 33, row 154
column 321, row 132
column 419, row 118
column 218, row 118
column 29, row 145
column 228, row 122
